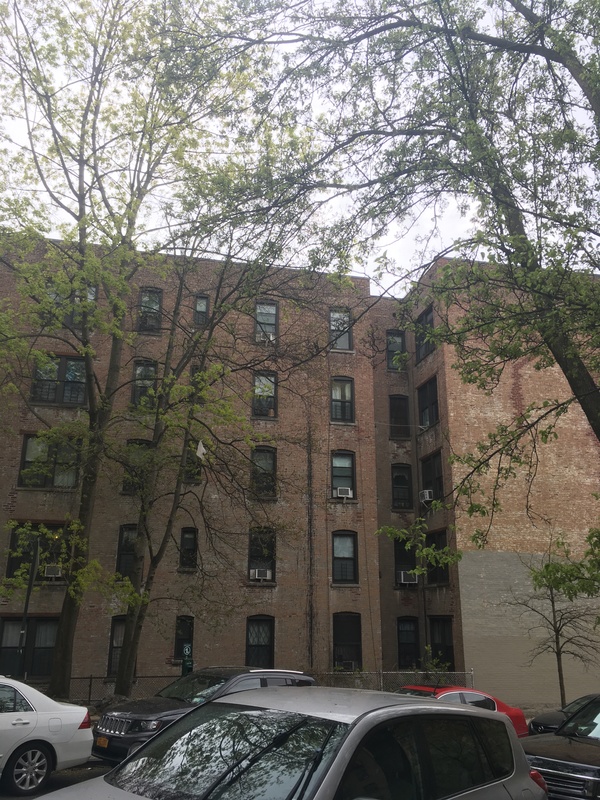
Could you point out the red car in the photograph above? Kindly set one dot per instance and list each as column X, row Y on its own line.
column 471, row 697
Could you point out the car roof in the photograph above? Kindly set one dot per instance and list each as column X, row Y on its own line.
column 342, row 705
column 232, row 671
column 430, row 687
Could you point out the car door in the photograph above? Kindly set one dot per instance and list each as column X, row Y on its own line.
column 432, row 756
column 18, row 720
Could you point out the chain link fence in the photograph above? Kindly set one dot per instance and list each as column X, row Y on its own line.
column 96, row 690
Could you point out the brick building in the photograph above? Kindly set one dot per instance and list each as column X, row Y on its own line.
column 312, row 440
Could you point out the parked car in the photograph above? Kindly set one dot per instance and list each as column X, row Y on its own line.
column 130, row 724
column 37, row 736
column 471, row 697
column 549, row 721
column 324, row 744
column 569, row 758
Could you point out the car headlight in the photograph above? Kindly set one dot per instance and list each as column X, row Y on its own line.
column 145, row 726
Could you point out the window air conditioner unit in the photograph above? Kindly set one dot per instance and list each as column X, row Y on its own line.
column 403, row 576
column 426, row 496
column 52, row 571
column 344, row 491
column 261, row 575
column 265, row 336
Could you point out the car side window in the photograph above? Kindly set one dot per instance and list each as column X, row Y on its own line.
column 11, row 700
column 479, row 700
column 277, row 681
column 458, row 761
column 385, row 766
column 451, row 697
column 244, row 684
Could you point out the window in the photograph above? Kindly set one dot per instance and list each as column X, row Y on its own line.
column 117, row 635
column 405, row 562
column 345, row 561
column 347, row 641
column 402, row 493
column 264, row 395
column 188, row 548
column 395, row 344
column 139, row 454
column 38, row 647
column 192, row 469
column 423, row 342
column 340, row 329
column 60, row 380
column 144, row 383
column 428, row 403
column 442, row 647
column 126, row 550
column 342, row 474
column 201, row 311
column 149, row 320
column 261, row 555
column 47, row 466
column 408, row 643
column 342, row 400
column 265, row 322
column 432, row 476
column 82, row 301
column 184, row 634
column 260, row 646
column 45, row 546
column 437, row 573
column 399, row 420
column 264, row 475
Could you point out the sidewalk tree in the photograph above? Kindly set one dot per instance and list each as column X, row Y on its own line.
column 556, row 612
column 492, row 107
column 108, row 141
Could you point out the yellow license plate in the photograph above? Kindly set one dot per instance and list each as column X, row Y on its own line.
column 102, row 741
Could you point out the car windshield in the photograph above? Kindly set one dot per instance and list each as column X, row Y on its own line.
column 575, row 705
column 233, row 753
column 585, row 723
column 193, row 688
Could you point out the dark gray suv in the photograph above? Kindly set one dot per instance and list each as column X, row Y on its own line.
column 128, row 725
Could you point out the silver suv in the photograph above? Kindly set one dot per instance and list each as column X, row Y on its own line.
column 325, row 744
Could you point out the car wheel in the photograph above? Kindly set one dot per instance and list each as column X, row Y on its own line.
column 27, row 770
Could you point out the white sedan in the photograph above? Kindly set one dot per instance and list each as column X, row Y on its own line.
column 37, row 736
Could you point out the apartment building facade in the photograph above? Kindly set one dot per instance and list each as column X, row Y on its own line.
column 337, row 423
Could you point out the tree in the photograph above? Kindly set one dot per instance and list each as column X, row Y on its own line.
column 110, row 146
column 495, row 107
column 563, row 627
column 136, row 155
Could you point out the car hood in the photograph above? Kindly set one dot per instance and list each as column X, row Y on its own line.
column 548, row 747
column 96, row 789
column 150, row 707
